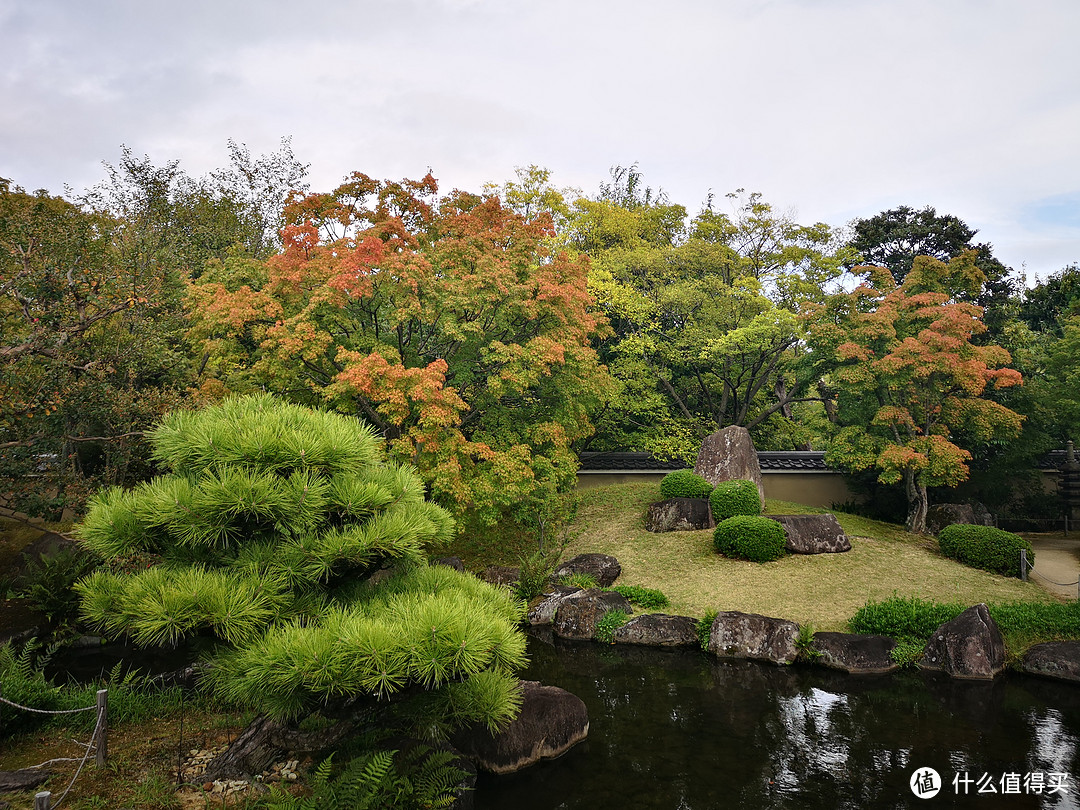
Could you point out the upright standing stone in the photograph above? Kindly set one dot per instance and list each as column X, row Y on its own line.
column 728, row 455
column 969, row 646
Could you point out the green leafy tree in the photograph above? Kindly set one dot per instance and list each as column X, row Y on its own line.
column 284, row 535
column 1046, row 304
column 92, row 348
column 911, row 381
column 894, row 238
column 91, row 351
column 704, row 330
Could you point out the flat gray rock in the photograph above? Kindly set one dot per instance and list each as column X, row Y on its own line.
column 679, row 515
column 856, row 653
column 542, row 609
column 749, row 635
column 577, row 614
column 1054, row 659
column 813, row 534
column 659, row 630
column 604, row 568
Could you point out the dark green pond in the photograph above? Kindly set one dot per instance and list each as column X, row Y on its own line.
column 684, row 731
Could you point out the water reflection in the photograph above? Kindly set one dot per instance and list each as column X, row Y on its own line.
column 673, row 729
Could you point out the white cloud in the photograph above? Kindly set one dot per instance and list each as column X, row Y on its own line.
column 840, row 108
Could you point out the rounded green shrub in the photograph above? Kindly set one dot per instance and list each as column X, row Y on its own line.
column 730, row 498
column 684, row 484
column 750, row 537
column 985, row 547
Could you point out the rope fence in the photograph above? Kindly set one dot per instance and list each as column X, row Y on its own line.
column 1029, row 568
column 99, row 743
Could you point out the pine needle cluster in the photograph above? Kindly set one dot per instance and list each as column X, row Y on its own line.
column 266, row 534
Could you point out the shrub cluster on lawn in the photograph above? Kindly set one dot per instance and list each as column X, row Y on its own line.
column 985, row 547
column 731, row 498
column 750, row 537
column 911, row 621
column 684, row 484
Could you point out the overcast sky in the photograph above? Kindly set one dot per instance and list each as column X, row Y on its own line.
column 832, row 109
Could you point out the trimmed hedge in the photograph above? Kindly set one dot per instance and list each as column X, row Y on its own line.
column 750, row 537
column 684, row 484
column 985, row 547
column 731, row 498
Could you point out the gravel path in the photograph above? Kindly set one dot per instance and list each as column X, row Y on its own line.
column 1057, row 560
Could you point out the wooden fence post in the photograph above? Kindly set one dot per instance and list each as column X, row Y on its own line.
column 43, row 800
column 1023, row 564
column 103, row 727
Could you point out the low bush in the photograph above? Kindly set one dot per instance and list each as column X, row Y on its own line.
column 731, row 498
column 579, row 580
column 804, row 643
column 609, row 623
column 684, row 484
column 750, row 537
column 704, row 627
column 911, row 621
column 535, row 571
column 985, row 547
column 902, row 617
column 132, row 696
column 46, row 583
column 647, row 598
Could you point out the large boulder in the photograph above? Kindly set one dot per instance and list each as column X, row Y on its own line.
column 659, row 630
column 679, row 515
column 983, row 516
column 542, row 609
column 604, row 568
column 728, row 455
column 969, row 646
column 551, row 721
column 856, row 653
column 450, row 562
column 577, row 614
column 501, row 575
column 941, row 515
column 813, row 534
column 748, row 635
column 1054, row 659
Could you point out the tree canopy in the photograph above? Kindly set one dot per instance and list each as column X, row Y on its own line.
column 445, row 322
column 910, row 380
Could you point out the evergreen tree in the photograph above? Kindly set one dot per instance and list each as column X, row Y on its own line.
column 284, row 534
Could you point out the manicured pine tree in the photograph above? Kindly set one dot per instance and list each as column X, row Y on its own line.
column 283, row 534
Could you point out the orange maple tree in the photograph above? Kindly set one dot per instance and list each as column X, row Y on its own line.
column 444, row 321
column 910, row 381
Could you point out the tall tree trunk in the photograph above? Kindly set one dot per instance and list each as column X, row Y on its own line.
column 780, row 390
column 828, row 399
column 918, row 503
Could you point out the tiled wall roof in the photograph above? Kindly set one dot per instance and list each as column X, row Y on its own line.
column 770, row 461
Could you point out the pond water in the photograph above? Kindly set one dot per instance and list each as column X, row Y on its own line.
column 681, row 730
